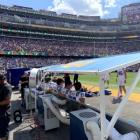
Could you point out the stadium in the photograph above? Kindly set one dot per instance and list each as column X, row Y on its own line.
column 32, row 38
column 39, row 38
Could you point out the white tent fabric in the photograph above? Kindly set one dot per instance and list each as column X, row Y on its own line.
column 98, row 65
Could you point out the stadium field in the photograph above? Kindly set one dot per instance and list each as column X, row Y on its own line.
column 94, row 80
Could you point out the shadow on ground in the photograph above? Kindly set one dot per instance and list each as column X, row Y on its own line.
column 38, row 133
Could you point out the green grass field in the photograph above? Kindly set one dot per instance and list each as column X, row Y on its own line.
column 94, row 80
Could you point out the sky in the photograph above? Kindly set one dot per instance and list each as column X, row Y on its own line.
column 104, row 8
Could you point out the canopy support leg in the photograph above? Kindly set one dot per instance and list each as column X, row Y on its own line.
column 122, row 104
column 102, row 108
column 35, row 101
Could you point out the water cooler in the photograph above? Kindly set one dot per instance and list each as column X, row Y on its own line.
column 50, row 120
column 78, row 121
column 29, row 100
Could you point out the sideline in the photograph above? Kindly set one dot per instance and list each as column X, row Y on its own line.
column 135, row 97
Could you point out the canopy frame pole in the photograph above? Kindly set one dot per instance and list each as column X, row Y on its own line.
column 122, row 104
column 102, row 107
column 35, row 101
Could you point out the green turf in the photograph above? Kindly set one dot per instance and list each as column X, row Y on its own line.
column 94, row 80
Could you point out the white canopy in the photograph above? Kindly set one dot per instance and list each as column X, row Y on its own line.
column 98, row 65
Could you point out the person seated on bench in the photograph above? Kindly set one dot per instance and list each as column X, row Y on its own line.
column 70, row 94
column 60, row 87
column 68, row 87
column 80, row 95
column 50, row 86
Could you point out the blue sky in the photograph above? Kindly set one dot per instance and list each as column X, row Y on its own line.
column 103, row 8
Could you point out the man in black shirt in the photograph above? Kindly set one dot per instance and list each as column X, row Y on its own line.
column 5, row 95
column 24, row 84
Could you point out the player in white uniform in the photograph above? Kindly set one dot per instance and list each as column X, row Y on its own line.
column 105, row 78
column 121, row 77
column 80, row 95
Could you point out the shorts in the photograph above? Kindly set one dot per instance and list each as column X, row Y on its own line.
column 121, row 82
column 4, row 122
column 106, row 79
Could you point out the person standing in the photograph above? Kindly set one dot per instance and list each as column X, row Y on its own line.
column 105, row 78
column 5, row 96
column 121, row 77
column 66, row 78
column 24, row 81
column 75, row 79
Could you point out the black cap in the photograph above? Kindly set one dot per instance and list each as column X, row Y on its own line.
column 2, row 77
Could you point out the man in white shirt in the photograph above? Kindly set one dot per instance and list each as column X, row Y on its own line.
column 121, row 77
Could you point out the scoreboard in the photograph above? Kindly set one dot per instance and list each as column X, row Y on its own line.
column 131, row 13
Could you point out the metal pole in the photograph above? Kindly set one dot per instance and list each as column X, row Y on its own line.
column 36, row 101
column 122, row 105
column 102, row 108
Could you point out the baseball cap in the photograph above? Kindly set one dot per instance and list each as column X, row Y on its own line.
column 2, row 77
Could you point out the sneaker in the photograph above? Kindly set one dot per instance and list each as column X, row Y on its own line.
column 116, row 100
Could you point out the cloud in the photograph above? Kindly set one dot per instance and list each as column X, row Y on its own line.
column 61, row 7
column 80, row 7
column 110, row 3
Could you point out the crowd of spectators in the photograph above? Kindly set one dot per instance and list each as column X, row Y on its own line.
column 14, row 62
column 68, row 48
column 58, row 49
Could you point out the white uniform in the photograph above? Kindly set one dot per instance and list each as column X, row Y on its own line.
column 105, row 76
column 72, row 95
column 121, row 77
column 52, row 85
column 79, row 95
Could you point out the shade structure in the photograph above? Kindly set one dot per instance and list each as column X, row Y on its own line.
column 97, row 65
